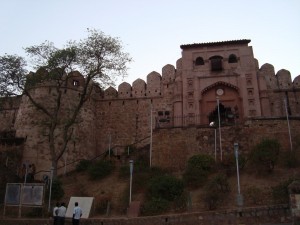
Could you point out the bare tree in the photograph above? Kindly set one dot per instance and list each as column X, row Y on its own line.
column 98, row 58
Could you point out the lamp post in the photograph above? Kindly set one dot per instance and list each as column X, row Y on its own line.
column 287, row 118
column 130, row 185
column 220, row 136
column 50, row 189
column 151, row 136
column 109, row 143
column 239, row 196
column 212, row 124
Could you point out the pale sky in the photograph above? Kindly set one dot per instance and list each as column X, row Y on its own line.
column 153, row 30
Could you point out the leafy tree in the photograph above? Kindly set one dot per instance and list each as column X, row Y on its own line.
column 265, row 154
column 99, row 59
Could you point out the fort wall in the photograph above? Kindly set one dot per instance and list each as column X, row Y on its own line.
column 173, row 147
column 180, row 102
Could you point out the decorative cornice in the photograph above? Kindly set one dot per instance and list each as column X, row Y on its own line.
column 219, row 43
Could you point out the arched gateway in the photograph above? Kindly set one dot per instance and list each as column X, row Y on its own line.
column 230, row 103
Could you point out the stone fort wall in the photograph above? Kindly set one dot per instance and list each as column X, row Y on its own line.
column 115, row 118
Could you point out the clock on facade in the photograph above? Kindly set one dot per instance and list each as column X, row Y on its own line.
column 220, row 91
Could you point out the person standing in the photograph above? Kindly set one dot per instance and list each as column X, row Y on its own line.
column 62, row 214
column 77, row 213
column 55, row 214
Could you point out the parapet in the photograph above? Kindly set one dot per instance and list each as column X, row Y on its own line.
column 141, row 89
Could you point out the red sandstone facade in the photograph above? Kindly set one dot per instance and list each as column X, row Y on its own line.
column 185, row 96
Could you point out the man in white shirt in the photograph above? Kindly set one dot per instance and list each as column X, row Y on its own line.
column 77, row 213
column 55, row 214
column 62, row 213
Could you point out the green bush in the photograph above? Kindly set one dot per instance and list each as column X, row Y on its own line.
column 280, row 192
column 124, row 171
column 264, row 155
column 100, row 169
column 216, row 191
column 83, row 165
column 254, row 195
column 201, row 161
column 57, row 191
column 198, row 169
column 165, row 187
column 229, row 163
column 155, row 206
column 180, row 204
column 194, row 177
column 290, row 159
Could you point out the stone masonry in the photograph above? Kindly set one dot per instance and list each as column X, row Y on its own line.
column 181, row 102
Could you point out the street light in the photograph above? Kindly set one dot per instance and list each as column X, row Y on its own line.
column 50, row 190
column 212, row 124
column 220, row 128
column 130, row 186
column 287, row 118
column 239, row 196
column 151, row 136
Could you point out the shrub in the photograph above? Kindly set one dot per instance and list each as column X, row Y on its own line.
column 216, row 191
column 290, row 159
column 155, row 206
column 180, row 203
column 194, row 177
column 83, row 165
column 100, row 169
column 57, row 191
column 280, row 192
column 254, row 195
column 165, row 187
column 198, row 168
column 265, row 154
column 229, row 163
column 202, row 162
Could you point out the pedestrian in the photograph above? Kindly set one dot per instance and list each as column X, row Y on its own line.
column 77, row 213
column 55, row 214
column 62, row 214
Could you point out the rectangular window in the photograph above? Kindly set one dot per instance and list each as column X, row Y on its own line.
column 216, row 64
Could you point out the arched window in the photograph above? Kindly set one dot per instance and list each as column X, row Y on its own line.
column 199, row 61
column 232, row 58
column 216, row 63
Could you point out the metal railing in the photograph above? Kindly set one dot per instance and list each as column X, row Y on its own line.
column 189, row 121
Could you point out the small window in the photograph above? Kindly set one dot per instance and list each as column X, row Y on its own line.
column 199, row 61
column 232, row 59
column 216, row 63
column 160, row 113
column 75, row 83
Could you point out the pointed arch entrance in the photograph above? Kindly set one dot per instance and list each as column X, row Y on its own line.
column 230, row 103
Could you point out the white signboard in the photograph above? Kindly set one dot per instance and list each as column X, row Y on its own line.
column 32, row 194
column 85, row 203
column 13, row 194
